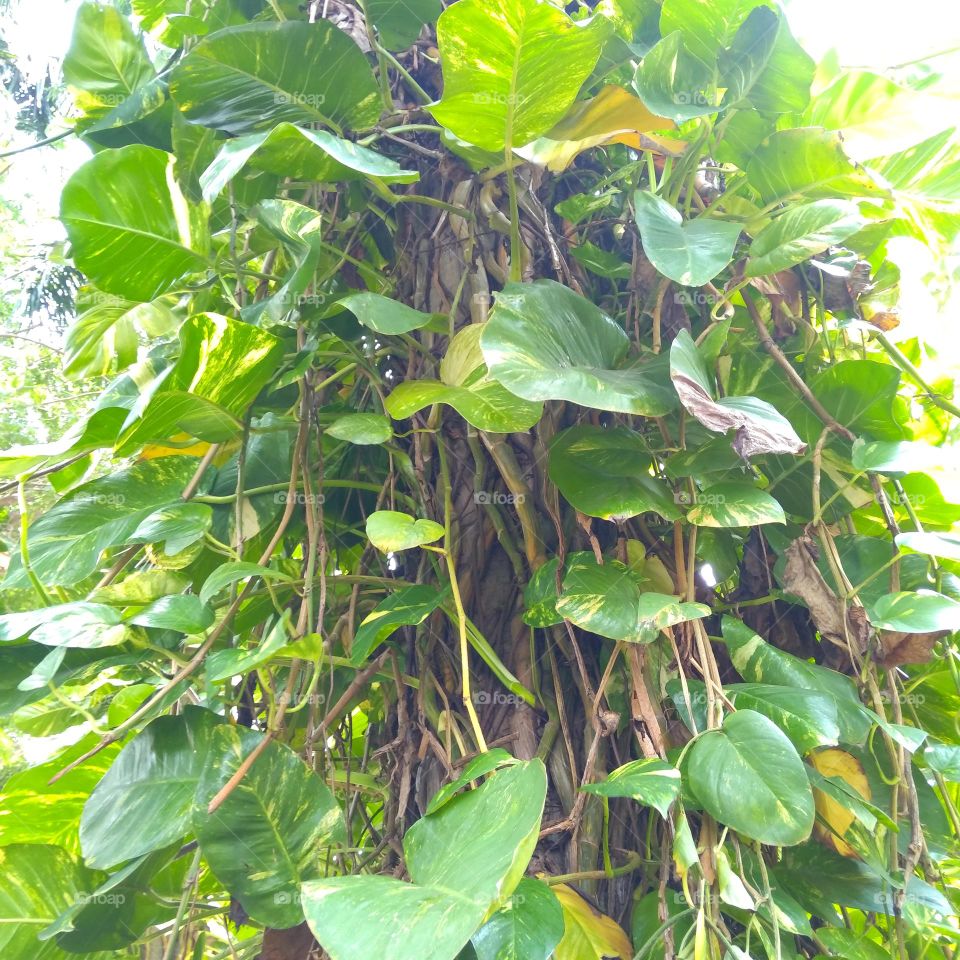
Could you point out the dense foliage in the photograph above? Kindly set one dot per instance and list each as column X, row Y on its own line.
column 510, row 525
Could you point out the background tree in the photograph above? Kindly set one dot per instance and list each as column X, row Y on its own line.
column 510, row 527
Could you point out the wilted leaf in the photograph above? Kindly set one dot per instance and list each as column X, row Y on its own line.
column 588, row 934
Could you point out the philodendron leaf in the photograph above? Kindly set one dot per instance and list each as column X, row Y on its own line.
column 78, row 624
column 946, row 545
column 301, row 154
column 734, row 505
column 527, row 927
column 361, row 428
column 511, row 68
column 399, row 22
column 176, row 527
column 923, row 611
column 607, row 473
column 691, row 253
column 184, row 613
column 256, row 75
column 606, row 600
column 672, row 84
column 269, row 835
column 707, row 26
column 545, row 342
column 808, row 162
column 901, row 456
column 650, row 782
column 145, row 800
column 391, row 531
column 462, row 860
column 810, row 719
column 749, row 776
column 383, row 314
column 759, row 427
column 132, row 232
column 800, row 233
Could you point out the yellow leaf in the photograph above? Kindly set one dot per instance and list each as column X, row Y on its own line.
column 613, row 116
column 834, row 762
column 173, row 448
column 588, row 934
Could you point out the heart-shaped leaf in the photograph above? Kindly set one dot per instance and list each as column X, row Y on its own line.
column 651, row 782
column 544, row 342
column 922, row 611
column 361, row 428
column 383, row 314
column 606, row 600
column 527, row 927
column 734, row 505
column 690, row 253
column 391, row 531
column 750, row 777
column 256, row 75
column 588, row 934
column 511, row 68
column 407, row 607
column 607, row 473
column 672, row 84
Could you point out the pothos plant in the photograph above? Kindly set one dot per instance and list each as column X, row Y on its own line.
column 510, row 527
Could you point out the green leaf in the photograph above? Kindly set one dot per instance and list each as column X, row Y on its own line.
column 462, row 859
column 511, row 68
column 944, row 758
column 707, row 26
column 734, row 505
column 269, row 835
column 808, row 718
column 749, row 776
column 606, row 600
column 544, row 342
column 899, row 456
column 131, row 231
column 408, row 606
column 607, row 473
column 651, row 782
column 223, row 365
column 300, row 154
column 185, row 613
column 808, row 162
column 66, row 542
column 361, row 428
column 86, row 625
column 108, row 70
column 399, row 22
column 144, row 802
column 391, row 531
column 742, row 64
column 176, row 527
column 256, row 75
column 944, row 545
column 229, row 573
column 484, row 404
column 784, row 84
column 800, row 233
column 760, row 662
column 383, row 314
column 672, row 83
column 221, row 665
column 759, row 427
column 690, row 253
column 478, row 767
column 540, row 596
column 922, row 611
column 527, row 927
column 37, row 883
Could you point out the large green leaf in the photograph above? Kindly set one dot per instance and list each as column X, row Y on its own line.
column 462, row 859
column 527, row 927
column 269, row 835
column 257, row 75
column 673, row 84
column 734, row 504
column 921, row 612
column 759, row 427
column 391, row 531
column 808, row 718
column 607, row 473
column 750, row 777
column 132, row 232
column 37, row 883
column 607, row 600
column 144, row 801
column 800, row 233
column 67, row 541
column 223, row 365
column 690, row 253
column 79, row 624
column 300, row 154
column 363, row 429
column 759, row 662
column 511, row 68
column 807, row 162
column 544, row 342
column 108, row 70
column 707, row 26
column 650, row 782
